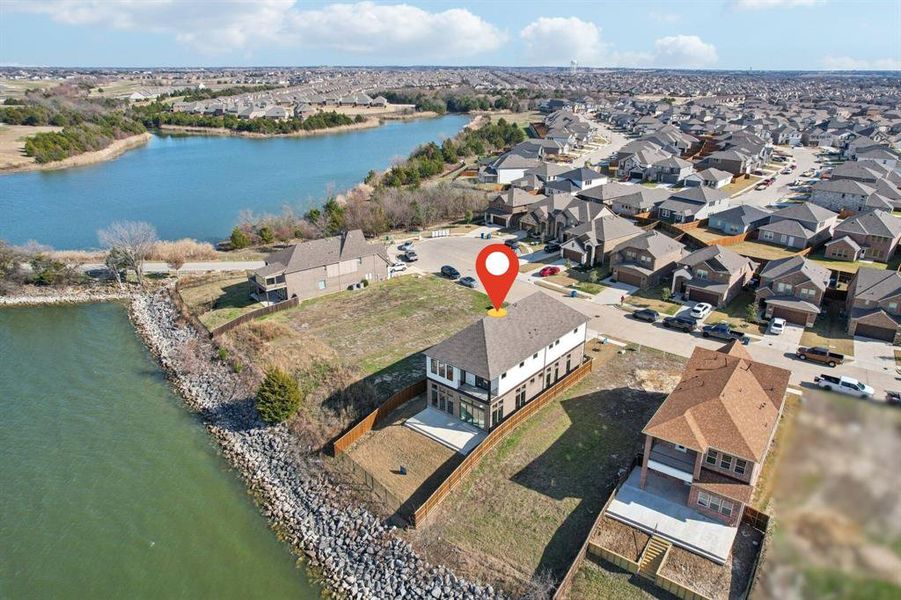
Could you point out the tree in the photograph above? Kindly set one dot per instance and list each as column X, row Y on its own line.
column 278, row 397
column 239, row 239
column 132, row 240
column 175, row 256
column 751, row 313
column 116, row 263
column 267, row 236
column 9, row 261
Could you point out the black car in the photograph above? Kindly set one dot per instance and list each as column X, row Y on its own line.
column 681, row 322
column 646, row 314
column 449, row 272
column 552, row 247
column 512, row 243
column 469, row 282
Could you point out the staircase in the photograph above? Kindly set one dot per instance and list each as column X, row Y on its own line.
column 653, row 556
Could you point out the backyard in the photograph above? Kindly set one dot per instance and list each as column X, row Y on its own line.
column 521, row 516
column 217, row 299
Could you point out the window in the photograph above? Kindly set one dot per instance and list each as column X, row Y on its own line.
column 703, row 498
column 711, row 457
column 497, row 414
column 441, row 369
column 322, row 284
column 535, row 355
column 726, row 508
column 768, row 235
column 892, row 305
column 522, row 364
column 434, row 366
column 740, row 466
column 576, row 330
column 503, row 375
column 726, row 462
column 472, row 413
column 701, row 273
column 521, row 396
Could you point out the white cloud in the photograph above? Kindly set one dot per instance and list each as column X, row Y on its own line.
column 763, row 4
column 558, row 40
column 394, row 31
column 684, row 51
column 847, row 63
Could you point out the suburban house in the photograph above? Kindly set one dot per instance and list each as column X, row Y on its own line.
column 508, row 167
column 735, row 162
column 589, row 243
column 507, row 208
column 714, row 430
column 798, row 226
column 318, row 267
column 739, row 219
column 841, row 194
column 713, row 274
column 645, row 259
column 692, row 204
column 872, row 235
column 584, row 178
column 489, row 370
column 670, row 170
column 713, row 178
column 792, row 288
column 552, row 217
column 641, row 201
column 874, row 304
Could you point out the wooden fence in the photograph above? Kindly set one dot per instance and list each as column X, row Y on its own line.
column 254, row 314
column 373, row 418
column 499, row 433
column 756, row 519
column 726, row 240
column 612, row 557
column 677, row 589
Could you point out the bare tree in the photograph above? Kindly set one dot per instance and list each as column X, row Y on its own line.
column 116, row 263
column 132, row 240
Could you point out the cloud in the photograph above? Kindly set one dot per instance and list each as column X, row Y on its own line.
column 684, row 51
column 556, row 40
column 764, row 4
column 393, row 31
column 847, row 63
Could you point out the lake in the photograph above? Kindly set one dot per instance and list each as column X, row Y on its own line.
column 109, row 487
column 197, row 186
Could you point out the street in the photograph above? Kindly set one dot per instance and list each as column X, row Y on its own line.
column 804, row 157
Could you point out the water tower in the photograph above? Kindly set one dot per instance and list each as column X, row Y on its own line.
column 573, row 66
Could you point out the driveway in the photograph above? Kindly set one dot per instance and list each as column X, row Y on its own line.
column 788, row 341
column 876, row 355
column 614, row 292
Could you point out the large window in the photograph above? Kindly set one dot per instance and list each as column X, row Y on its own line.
column 472, row 413
column 715, row 503
column 521, row 396
column 497, row 414
column 442, row 369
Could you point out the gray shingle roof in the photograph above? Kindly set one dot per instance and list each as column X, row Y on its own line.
column 719, row 257
column 875, row 284
column 876, row 222
column 318, row 253
column 491, row 345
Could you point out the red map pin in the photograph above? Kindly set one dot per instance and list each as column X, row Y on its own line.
column 497, row 266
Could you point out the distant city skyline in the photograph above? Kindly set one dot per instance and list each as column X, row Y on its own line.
column 730, row 35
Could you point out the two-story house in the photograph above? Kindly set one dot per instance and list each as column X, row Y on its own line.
column 792, row 288
column 714, row 274
column 508, row 207
column 798, row 226
column 645, row 259
column 739, row 219
column 318, row 267
column 670, row 170
column 874, row 304
column 489, row 370
column 872, row 235
column 714, row 430
column 710, row 177
column 590, row 243
column 692, row 204
column 841, row 194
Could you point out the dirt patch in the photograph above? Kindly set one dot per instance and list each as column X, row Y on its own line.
column 626, row 541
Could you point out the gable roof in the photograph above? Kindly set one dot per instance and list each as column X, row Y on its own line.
column 718, row 257
column 876, row 284
column 724, row 401
column 785, row 266
column 804, row 212
column 491, row 346
column 700, row 194
column 875, row 222
column 322, row 252
column 743, row 213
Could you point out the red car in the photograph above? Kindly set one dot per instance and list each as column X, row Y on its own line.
column 548, row 271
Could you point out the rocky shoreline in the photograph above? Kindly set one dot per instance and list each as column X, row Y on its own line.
column 73, row 295
column 354, row 553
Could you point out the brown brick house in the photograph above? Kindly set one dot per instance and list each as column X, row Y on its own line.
column 792, row 288
column 507, row 208
column 873, row 235
column 713, row 432
column 645, row 259
column 874, row 304
column 494, row 367
column 320, row 267
column 713, row 274
column 592, row 242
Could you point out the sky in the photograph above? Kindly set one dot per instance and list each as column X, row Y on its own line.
column 706, row 34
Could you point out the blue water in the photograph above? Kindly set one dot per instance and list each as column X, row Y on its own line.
column 191, row 186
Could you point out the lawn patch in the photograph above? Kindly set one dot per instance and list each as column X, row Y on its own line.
column 829, row 331
column 218, row 299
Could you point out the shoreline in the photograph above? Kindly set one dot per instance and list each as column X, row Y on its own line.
column 114, row 150
column 221, row 131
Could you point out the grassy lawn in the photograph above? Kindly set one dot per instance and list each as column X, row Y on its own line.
column 588, row 287
column 740, row 185
column 760, row 250
column 526, row 509
column 830, row 331
column 596, row 582
column 852, row 267
column 218, row 299
column 735, row 313
column 653, row 298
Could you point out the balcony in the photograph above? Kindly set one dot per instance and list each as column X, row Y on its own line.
column 476, row 392
column 269, row 284
column 669, row 461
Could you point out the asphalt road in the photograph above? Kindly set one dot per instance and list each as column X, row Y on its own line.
column 804, row 157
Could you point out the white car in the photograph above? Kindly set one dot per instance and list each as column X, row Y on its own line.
column 701, row 310
column 777, row 325
column 397, row 267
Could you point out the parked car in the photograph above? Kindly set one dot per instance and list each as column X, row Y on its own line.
column 548, row 271
column 820, row 354
column 724, row 332
column 512, row 243
column 450, row 272
column 410, row 256
column 408, row 245
column 760, row 187
column 646, row 314
column 758, row 172
column 700, row 310
column 777, row 326
column 552, row 247
column 397, row 267
column 680, row 322
column 844, row 385
column 469, row 282
column 786, row 171
column 893, row 398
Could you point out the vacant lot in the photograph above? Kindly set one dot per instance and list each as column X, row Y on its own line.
column 836, row 500
column 762, row 251
column 12, row 144
column 353, row 349
column 524, row 512
column 218, row 299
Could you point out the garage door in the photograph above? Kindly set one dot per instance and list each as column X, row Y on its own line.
column 630, row 278
column 703, row 296
column 792, row 316
column 499, row 220
column 871, row 331
column 573, row 255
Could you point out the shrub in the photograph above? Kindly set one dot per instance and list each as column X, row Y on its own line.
column 278, row 397
column 267, row 236
column 239, row 239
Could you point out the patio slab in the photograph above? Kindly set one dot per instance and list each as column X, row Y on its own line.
column 446, row 430
column 660, row 510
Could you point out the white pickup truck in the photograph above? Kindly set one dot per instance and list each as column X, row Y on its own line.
column 845, row 385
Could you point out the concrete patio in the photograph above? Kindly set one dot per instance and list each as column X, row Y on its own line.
column 446, row 430
column 660, row 509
